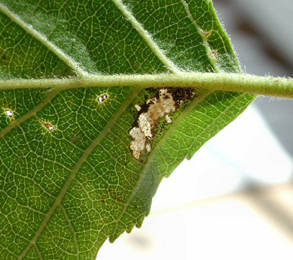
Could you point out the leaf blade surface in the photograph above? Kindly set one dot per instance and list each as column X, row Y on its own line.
column 68, row 178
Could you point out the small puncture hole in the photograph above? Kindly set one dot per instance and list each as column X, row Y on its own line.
column 48, row 125
column 103, row 98
column 9, row 113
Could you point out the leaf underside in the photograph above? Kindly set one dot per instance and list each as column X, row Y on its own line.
column 68, row 177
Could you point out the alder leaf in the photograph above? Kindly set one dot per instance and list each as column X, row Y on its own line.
column 80, row 163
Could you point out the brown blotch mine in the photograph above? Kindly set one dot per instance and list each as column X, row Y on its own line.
column 165, row 103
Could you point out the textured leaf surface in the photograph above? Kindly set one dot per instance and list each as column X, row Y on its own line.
column 68, row 177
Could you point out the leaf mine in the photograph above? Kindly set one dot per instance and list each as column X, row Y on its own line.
column 166, row 102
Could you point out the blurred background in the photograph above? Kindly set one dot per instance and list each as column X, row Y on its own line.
column 234, row 199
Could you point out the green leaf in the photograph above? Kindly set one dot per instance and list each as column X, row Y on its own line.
column 80, row 164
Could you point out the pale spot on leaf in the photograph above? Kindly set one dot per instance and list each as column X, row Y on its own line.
column 206, row 34
column 138, row 143
column 168, row 119
column 103, row 98
column 138, row 108
column 9, row 113
column 148, row 147
column 145, row 125
column 214, row 54
column 49, row 126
